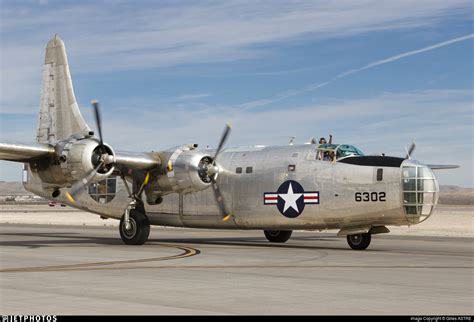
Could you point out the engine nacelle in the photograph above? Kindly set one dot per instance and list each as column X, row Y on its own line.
column 78, row 158
column 74, row 159
column 185, row 170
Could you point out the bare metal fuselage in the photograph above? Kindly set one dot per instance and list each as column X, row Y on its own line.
column 336, row 182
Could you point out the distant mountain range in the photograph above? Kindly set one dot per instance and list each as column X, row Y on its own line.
column 449, row 195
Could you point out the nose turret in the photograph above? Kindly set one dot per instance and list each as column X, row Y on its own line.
column 420, row 191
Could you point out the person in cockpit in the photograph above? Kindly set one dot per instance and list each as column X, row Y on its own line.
column 324, row 155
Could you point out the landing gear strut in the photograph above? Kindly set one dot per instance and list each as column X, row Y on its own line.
column 134, row 226
column 359, row 241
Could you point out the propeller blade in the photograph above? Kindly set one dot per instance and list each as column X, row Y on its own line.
column 220, row 201
column 224, row 137
column 84, row 181
column 98, row 122
column 410, row 150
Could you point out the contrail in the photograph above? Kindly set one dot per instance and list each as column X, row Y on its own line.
column 400, row 56
column 374, row 64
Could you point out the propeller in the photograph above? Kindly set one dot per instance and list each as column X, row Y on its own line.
column 98, row 122
column 82, row 183
column 224, row 137
column 213, row 171
column 103, row 159
column 410, row 150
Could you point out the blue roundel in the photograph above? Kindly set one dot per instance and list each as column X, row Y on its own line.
column 290, row 199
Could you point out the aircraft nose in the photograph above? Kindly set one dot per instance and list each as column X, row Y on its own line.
column 420, row 191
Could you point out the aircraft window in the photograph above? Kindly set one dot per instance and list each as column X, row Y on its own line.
column 420, row 192
column 238, row 170
column 409, row 197
column 409, row 184
column 345, row 150
column 103, row 191
column 248, row 170
column 409, row 172
column 379, row 174
column 291, row 167
column 410, row 210
column 327, row 151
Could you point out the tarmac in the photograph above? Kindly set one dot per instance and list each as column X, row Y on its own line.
column 53, row 269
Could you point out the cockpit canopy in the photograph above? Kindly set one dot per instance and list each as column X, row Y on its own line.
column 333, row 152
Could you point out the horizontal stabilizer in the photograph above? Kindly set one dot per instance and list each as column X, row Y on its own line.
column 442, row 166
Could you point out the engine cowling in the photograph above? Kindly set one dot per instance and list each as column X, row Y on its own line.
column 74, row 159
column 80, row 157
column 185, row 170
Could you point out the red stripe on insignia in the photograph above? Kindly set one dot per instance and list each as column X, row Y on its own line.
column 271, row 198
column 313, row 198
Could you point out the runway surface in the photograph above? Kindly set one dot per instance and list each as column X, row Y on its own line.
column 87, row 270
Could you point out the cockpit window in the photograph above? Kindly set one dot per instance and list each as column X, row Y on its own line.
column 332, row 152
column 345, row 150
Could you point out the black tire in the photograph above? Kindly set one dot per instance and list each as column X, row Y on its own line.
column 140, row 230
column 278, row 236
column 359, row 241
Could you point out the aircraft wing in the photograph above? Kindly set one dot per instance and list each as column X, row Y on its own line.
column 21, row 152
column 137, row 160
column 442, row 166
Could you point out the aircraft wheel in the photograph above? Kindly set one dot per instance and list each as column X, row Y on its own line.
column 278, row 236
column 139, row 230
column 359, row 241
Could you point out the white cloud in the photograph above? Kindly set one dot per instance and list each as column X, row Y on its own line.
column 114, row 36
column 439, row 121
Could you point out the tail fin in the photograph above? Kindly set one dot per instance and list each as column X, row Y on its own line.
column 59, row 116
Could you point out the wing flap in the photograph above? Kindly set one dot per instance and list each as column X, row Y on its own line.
column 21, row 152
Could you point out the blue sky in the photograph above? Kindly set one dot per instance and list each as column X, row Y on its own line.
column 377, row 74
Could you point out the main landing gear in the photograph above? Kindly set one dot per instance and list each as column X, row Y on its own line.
column 134, row 226
column 359, row 241
column 278, row 236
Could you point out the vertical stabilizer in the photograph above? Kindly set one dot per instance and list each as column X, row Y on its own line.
column 59, row 116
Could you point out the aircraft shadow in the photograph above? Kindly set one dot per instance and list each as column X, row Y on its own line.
column 76, row 239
